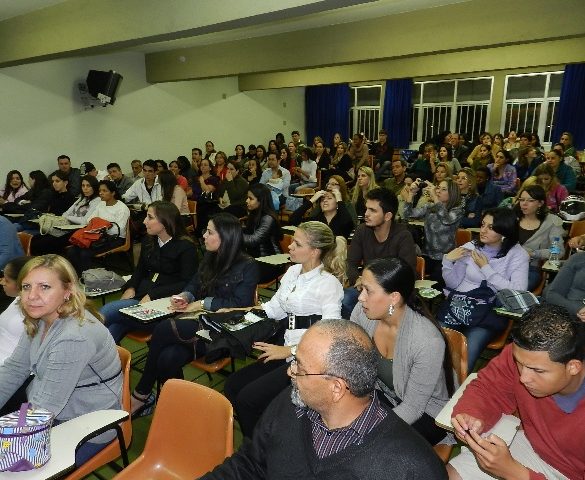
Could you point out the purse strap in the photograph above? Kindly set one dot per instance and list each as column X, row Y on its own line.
column 22, row 414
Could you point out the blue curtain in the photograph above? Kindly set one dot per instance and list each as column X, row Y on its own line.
column 397, row 115
column 327, row 112
column 571, row 109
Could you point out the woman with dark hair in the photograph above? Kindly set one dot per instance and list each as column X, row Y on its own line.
column 221, row 165
column 272, row 147
column 309, row 290
column 61, row 197
column 332, row 212
column 261, row 156
column 446, row 156
column 470, row 200
column 537, row 230
column 441, row 220
column 286, row 160
column 172, row 192
column 414, row 369
column 527, row 162
column 226, row 278
column 262, row 230
column 239, row 159
column 210, row 152
column 35, row 200
column 232, row 191
column 503, row 173
column 161, row 166
column 306, row 172
column 499, row 260
column 78, row 214
column 113, row 210
column 337, row 139
column 168, row 260
column 204, row 192
column 253, row 172
column 14, row 188
column 555, row 191
column 341, row 162
column 175, row 169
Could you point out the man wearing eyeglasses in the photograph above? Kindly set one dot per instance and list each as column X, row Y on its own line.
column 330, row 424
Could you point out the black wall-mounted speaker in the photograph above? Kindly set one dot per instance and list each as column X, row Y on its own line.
column 103, row 85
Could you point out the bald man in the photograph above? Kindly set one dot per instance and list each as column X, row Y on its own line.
column 330, row 423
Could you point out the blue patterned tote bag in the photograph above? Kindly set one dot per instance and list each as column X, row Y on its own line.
column 25, row 439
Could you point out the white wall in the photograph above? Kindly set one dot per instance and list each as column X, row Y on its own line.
column 41, row 115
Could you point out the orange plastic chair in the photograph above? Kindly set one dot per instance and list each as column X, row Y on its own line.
column 500, row 342
column 285, row 242
column 191, row 433
column 112, row 451
column 458, row 350
column 462, row 236
column 25, row 239
column 420, row 268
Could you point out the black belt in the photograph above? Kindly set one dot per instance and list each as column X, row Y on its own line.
column 101, row 381
column 301, row 321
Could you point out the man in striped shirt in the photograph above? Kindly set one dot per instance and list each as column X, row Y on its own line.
column 335, row 426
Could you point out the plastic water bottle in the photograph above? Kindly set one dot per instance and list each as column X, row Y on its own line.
column 555, row 253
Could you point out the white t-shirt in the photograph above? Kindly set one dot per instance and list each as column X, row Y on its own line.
column 11, row 328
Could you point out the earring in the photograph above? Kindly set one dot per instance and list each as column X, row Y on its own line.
column 67, row 298
column 391, row 310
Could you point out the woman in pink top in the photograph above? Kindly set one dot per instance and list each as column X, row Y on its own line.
column 555, row 191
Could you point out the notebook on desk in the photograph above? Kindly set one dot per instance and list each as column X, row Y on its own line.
column 149, row 311
column 505, row 428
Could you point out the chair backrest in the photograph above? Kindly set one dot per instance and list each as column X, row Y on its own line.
column 305, row 190
column 420, row 268
column 112, row 451
column 191, row 431
column 462, row 236
column 458, row 349
column 577, row 228
column 25, row 239
column 285, row 242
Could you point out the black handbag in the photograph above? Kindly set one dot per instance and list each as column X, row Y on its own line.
column 470, row 309
column 106, row 240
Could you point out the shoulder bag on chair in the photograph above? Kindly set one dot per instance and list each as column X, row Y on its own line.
column 86, row 236
column 25, row 439
column 468, row 309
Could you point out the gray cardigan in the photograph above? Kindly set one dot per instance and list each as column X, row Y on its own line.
column 568, row 288
column 71, row 355
column 539, row 243
column 418, row 376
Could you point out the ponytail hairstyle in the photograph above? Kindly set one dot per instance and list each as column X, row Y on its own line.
column 394, row 275
column 333, row 249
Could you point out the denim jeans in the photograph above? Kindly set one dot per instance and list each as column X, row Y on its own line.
column 119, row 324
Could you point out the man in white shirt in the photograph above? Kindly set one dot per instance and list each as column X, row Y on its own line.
column 145, row 190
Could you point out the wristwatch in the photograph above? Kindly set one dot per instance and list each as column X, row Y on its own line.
column 293, row 350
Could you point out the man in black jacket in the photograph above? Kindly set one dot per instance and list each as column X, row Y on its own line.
column 331, row 424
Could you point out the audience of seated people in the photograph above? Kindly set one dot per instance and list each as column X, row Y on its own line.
column 414, row 374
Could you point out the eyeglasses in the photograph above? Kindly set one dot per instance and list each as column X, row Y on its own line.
column 293, row 365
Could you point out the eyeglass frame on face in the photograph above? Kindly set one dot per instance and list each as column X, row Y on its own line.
column 296, row 374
